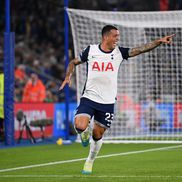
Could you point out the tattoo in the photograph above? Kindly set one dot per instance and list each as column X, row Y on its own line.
column 71, row 67
column 144, row 48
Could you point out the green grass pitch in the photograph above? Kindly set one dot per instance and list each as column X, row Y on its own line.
column 131, row 163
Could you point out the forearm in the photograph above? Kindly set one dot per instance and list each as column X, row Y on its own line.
column 69, row 72
column 144, row 48
column 71, row 67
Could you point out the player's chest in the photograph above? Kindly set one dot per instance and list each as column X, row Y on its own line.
column 104, row 63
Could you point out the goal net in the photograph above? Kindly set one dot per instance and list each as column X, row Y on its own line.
column 149, row 99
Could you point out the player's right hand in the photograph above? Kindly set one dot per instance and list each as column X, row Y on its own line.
column 67, row 80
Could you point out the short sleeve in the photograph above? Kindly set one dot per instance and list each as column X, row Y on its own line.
column 124, row 52
column 84, row 54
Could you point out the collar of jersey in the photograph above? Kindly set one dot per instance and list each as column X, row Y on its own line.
column 107, row 52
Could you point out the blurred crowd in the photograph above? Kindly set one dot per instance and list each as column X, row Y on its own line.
column 39, row 49
column 127, row 5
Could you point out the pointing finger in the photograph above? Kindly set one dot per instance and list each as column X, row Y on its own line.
column 171, row 35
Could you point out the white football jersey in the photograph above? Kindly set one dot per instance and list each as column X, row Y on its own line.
column 102, row 72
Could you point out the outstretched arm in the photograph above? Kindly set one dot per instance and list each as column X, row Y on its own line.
column 69, row 72
column 150, row 46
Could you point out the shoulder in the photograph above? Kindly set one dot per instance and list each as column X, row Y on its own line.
column 88, row 50
column 40, row 83
column 124, row 51
column 83, row 57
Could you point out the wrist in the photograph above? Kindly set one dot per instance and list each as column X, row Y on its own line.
column 159, row 41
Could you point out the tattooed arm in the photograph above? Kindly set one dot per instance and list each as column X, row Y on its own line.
column 69, row 72
column 148, row 47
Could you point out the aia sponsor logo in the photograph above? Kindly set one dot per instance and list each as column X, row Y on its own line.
column 102, row 66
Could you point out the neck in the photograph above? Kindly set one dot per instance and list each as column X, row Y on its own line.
column 105, row 47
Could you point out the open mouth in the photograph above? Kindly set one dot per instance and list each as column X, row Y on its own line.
column 115, row 44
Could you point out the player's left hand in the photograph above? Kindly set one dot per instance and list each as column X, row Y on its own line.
column 167, row 39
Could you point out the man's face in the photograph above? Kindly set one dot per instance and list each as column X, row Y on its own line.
column 112, row 39
column 34, row 78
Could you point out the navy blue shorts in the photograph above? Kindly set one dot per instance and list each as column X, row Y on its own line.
column 103, row 113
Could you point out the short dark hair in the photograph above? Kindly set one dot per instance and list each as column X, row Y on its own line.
column 106, row 29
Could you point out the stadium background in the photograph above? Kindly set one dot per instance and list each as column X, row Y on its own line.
column 39, row 49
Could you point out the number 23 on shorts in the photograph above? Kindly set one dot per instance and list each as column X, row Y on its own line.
column 109, row 117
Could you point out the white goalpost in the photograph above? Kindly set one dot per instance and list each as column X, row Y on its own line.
column 149, row 99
